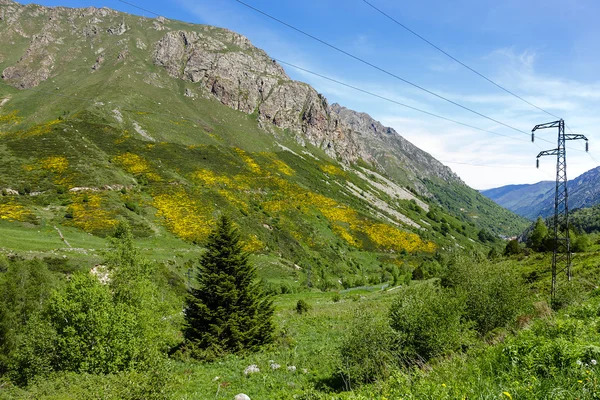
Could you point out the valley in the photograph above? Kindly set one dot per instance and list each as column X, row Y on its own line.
column 374, row 270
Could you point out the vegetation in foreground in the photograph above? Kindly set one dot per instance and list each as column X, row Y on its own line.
column 480, row 329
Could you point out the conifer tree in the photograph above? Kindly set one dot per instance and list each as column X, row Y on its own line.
column 227, row 310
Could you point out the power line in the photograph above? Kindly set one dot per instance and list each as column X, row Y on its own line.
column 481, row 165
column 457, row 60
column 139, row 8
column 588, row 153
column 393, row 101
column 374, row 66
column 384, row 71
column 379, row 68
column 324, row 77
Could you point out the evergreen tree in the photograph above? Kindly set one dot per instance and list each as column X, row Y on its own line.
column 227, row 311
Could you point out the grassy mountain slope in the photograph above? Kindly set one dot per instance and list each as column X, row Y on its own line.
column 99, row 122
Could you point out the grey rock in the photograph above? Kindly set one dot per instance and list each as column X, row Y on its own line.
column 118, row 30
column 99, row 62
column 251, row 369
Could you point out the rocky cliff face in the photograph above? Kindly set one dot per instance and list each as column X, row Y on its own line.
column 245, row 78
column 222, row 64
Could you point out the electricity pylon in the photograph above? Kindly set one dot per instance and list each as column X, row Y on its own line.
column 561, row 257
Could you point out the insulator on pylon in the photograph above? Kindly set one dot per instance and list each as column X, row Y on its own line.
column 532, row 137
column 587, row 146
column 537, row 163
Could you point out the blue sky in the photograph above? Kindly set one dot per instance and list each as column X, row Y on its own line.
column 544, row 50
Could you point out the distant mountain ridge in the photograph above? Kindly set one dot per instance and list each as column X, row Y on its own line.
column 531, row 201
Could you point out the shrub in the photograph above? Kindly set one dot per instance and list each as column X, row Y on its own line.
column 581, row 243
column 336, row 297
column 99, row 328
column 369, row 350
column 512, row 248
column 302, row 306
column 429, row 322
column 494, row 293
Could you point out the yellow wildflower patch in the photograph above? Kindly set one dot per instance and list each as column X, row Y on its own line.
column 210, row 178
column 42, row 129
column 10, row 118
column 344, row 234
column 184, row 216
column 254, row 167
column 283, row 167
column 13, row 212
column 88, row 213
column 135, row 164
column 391, row 238
column 233, row 199
column 345, row 220
column 331, row 169
column 57, row 164
column 253, row 244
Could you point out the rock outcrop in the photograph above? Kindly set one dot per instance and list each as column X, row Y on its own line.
column 222, row 64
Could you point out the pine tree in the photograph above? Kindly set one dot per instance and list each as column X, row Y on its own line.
column 227, row 311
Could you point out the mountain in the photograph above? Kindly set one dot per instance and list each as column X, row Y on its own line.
column 107, row 116
column 524, row 200
column 531, row 201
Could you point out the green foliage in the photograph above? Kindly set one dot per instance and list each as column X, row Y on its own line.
column 302, row 307
column 369, row 350
column 485, row 236
column 512, row 248
column 95, row 328
column 581, row 243
column 227, row 310
column 127, row 385
column 429, row 322
column 586, row 219
column 24, row 289
column 495, row 293
column 493, row 254
column 537, row 237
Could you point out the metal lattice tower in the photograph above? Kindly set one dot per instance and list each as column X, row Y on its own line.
column 561, row 257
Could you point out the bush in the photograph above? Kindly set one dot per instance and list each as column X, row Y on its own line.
column 336, row 297
column 512, row 248
column 581, row 243
column 369, row 350
column 494, row 293
column 302, row 306
column 99, row 328
column 429, row 322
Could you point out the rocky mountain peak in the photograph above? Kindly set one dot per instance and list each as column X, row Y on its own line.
column 221, row 64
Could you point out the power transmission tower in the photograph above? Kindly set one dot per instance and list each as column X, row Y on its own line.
column 561, row 257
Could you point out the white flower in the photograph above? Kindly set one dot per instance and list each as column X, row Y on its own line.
column 216, row 378
column 291, row 368
column 275, row 366
column 594, row 362
column 579, row 363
